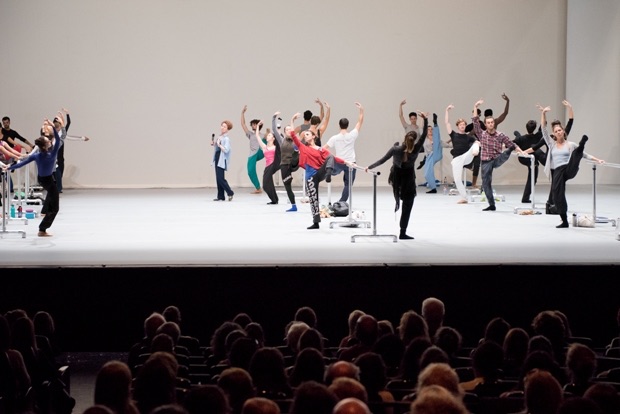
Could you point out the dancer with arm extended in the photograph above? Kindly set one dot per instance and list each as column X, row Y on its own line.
column 271, row 151
column 256, row 154
column 402, row 178
column 527, row 142
column 287, row 149
column 45, row 158
column 464, row 148
column 319, row 164
column 563, row 158
column 434, row 154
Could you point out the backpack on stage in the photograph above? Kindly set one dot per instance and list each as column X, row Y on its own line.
column 340, row 209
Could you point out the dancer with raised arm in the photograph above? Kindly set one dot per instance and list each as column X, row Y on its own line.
column 287, row 150
column 464, row 148
column 256, row 154
column 563, row 158
column 402, row 177
column 221, row 160
column 434, row 154
column 318, row 163
column 45, row 157
column 271, row 151
column 492, row 154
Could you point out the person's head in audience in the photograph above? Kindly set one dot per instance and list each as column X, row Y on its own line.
column 310, row 338
column 435, row 399
column 351, row 323
column 539, row 343
column 151, row 323
column 448, row 339
column 260, row 405
column 496, row 330
column 410, row 366
column 22, row 334
column 433, row 354
column 391, row 349
column 232, row 337
column 345, row 387
column 372, row 374
column 385, row 327
column 487, row 360
column 203, row 399
column 543, row 393
column 155, row 382
column 581, row 366
column 567, row 329
column 172, row 314
column 312, row 397
column 268, row 373
column 98, row 409
column 542, row 360
column 516, row 344
column 172, row 330
column 169, row 409
column 366, row 330
column 162, row 342
column 294, row 331
column 14, row 314
column 579, row 405
column 412, row 325
column 438, row 373
column 551, row 326
column 242, row 319
column 44, row 324
column 341, row 369
column 113, row 388
column 605, row 396
column 433, row 312
column 238, row 386
column 351, row 406
column 255, row 331
column 306, row 314
column 218, row 340
column 309, row 366
column 241, row 352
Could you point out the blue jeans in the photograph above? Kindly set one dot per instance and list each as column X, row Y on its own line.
column 487, row 174
column 348, row 181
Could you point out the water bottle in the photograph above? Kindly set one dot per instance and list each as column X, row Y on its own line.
column 445, row 186
column 12, row 210
column 19, row 212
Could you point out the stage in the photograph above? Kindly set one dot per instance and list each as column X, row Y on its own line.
column 185, row 227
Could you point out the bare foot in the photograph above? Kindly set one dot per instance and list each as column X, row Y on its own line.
column 462, row 201
column 44, row 234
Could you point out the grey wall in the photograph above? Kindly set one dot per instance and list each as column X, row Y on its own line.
column 150, row 80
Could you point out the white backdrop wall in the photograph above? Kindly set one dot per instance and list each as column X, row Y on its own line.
column 150, row 80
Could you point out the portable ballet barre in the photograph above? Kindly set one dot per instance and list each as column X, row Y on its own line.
column 6, row 202
column 600, row 219
column 374, row 213
column 350, row 221
column 532, row 186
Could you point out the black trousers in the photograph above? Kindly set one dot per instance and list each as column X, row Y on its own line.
column 51, row 205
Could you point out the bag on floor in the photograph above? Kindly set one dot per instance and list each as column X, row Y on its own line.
column 340, row 209
column 583, row 220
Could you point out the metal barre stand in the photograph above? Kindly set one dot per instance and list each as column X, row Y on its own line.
column 350, row 222
column 532, row 187
column 374, row 213
column 6, row 202
column 600, row 219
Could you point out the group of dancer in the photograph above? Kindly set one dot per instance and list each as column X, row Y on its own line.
column 478, row 146
column 48, row 154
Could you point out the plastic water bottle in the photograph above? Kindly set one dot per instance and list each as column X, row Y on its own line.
column 19, row 212
column 445, row 186
column 12, row 210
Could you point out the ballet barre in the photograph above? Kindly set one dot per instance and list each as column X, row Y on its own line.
column 594, row 166
column 374, row 212
column 533, row 207
column 6, row 202
column 350, row 221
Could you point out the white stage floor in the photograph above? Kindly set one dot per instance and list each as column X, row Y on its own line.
column 184, row 227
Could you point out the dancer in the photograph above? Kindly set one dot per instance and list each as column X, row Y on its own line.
column 48, row 145
column 10, row 135
column 287, row 150
column 434, row 154
column 491, row 155
column 271, row 150
column 526, row 142
column 318, row 124
column 256, row 154
column 464, row 148
column 563, row 158
column 221, row 159
column 402, row 176
column 344, row 144
column 318, row 163
column 412, row 125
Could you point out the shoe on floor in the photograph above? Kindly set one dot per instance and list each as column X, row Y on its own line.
column 314, row 226
column 44, row 234
column 433, row 191
column 230, row 197
column 489, row 208
column 526, row 201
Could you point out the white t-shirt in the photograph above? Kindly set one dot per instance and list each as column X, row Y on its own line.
column 344, row 144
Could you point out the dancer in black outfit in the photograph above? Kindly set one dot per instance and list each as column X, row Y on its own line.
column 402, row 176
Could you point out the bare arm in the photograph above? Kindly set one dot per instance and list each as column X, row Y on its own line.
column 257, row 135
column 447, row 119
column 243, row 125
column 400, row 113
column 360, row 119
column 325, row 121
column 501, row 118
column 322, row 111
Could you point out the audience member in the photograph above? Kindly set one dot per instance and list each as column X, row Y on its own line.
column 412, row 325
column 268, row 373
column 581, row 367
column 550, row 325
column 151, row 323
column 306, row 314
column 351, row 406
column 309, row 366
column 433, row 354
column 345, row 387
column 204, row 399
column 350, row 340
column 155, row 383
column 391, row 349
column 605, row 396
column 435, row 399
column 410, row 366
column 238, row 386
column 450, row 341
column 433, row 312
column 313, row 398
column 515, row 347
column 340, row 369
column 579, row 405
column 260, row 405
column 440, row 374
column 373, row 377
column 366, row 332
column 113, row 388
column 543, row 393
column 218, row 342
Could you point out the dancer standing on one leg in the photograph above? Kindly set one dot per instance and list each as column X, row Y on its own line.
column 318, row 163
column 256, row 154
column 45, row 158
column 526, row 142
column 563, row 157
column 221, row 160
column 271, row 150
column 287, row 150
column 464, row 148
column 492, row 154
column 402, row 177
column 434, row 154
